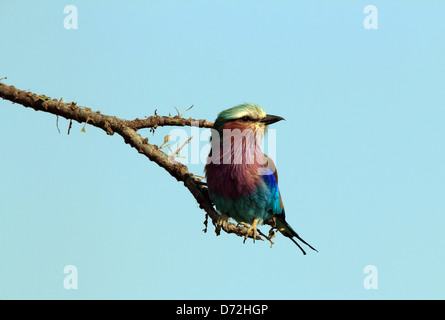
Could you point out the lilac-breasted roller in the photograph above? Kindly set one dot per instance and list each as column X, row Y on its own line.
column 242, row 181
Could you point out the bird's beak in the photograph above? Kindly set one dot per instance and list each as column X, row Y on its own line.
column 269, row 119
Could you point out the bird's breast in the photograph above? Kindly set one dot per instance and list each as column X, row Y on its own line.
column 235, row 159
column 232, row 181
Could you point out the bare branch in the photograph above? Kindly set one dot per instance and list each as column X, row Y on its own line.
column 128, row 130
column 158, row 121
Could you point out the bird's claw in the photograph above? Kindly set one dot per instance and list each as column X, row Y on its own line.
column 223, row 220
column 250, row 228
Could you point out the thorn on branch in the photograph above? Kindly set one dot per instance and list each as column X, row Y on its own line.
column 57, row 123
column 166, row 140
column 181, row 114
column 185, row 143
column 69, row 127
column 59, row 103
column 88, row 119
column 175, row 154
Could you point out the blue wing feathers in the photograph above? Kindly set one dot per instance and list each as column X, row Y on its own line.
column 274, row 205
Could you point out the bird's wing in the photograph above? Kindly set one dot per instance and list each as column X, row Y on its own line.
column 275, row 204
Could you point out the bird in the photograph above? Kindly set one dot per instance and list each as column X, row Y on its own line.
column 242, row 181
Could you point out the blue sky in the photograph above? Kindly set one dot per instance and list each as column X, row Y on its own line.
column 360, row 155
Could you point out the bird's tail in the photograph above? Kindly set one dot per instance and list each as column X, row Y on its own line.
column 287, row 231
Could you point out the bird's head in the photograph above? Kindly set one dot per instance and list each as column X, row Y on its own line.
column 244, row 116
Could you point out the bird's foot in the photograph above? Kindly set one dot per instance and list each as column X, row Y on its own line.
column 250, row 228
column 223, row 220
column 272, row 234
column 269, row 237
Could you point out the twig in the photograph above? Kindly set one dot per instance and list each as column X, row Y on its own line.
column 157, row 121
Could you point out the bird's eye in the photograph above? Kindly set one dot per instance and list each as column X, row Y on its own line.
column 245, row 118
